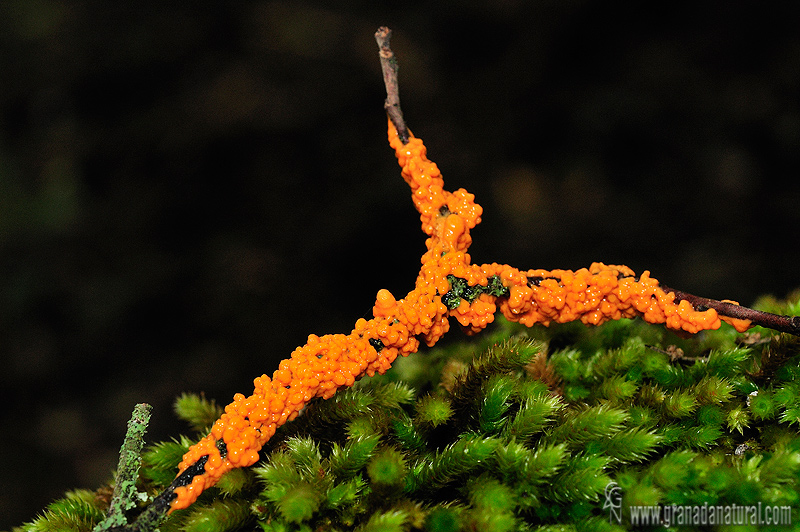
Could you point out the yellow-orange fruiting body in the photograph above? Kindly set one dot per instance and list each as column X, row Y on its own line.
column 326, row 363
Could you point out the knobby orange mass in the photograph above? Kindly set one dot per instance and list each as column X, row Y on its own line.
column 447, row 285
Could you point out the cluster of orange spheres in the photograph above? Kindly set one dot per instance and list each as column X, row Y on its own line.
column 326, row 363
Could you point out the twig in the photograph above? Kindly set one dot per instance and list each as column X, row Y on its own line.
column 787, row 324
column 389, row 68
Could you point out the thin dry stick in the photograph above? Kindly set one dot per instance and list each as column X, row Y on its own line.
column 787, row 324
column 389, row 67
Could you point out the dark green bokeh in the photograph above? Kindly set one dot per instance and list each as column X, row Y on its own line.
column 186, row 193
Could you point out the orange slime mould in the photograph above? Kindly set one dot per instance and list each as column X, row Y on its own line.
column 448, row 285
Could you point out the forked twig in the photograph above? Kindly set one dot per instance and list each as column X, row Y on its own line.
column 787, row 324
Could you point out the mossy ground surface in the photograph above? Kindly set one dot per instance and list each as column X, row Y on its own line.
column 517, row 429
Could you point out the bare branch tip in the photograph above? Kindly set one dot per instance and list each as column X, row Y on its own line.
column 383, row 35
column 389, row 68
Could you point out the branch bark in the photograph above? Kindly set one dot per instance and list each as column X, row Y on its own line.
column 787, row 324
column 389, row 67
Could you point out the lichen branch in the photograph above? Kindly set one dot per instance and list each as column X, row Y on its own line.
column 130, row 458
column 389, row 67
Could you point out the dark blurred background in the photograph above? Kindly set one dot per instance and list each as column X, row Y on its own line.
column 187, row 192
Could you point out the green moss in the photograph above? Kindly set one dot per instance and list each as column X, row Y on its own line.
column 387, row 468
column 443, row 520
column 433, row 411
column 200, row 413
column 218, row 516
column 78, row 510
column 486, row 435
